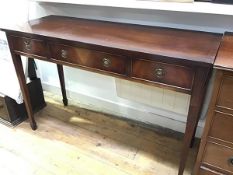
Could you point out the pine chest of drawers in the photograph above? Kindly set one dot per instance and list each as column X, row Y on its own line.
column 215, row 155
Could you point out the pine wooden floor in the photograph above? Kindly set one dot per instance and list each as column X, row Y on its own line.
column 75, row 141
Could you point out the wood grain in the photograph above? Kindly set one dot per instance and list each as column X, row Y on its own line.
column 76, row 141
column 23, row 86
column 88, row 43
column 222, row 126
column 146, row 70
column 217, row 156
column 30, row 46
column 186, row 45
column 216, row 147
column 209, row 121
column 199, row 88
column 62, row 83
column 225, row 97
column 224, row 59
column 90, row 58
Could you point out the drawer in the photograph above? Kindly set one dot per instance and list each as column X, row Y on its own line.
column 225, row 96
column 222, row 127
column 30, row 46
column 169, row 74
column 90, row 58
column 218, row 156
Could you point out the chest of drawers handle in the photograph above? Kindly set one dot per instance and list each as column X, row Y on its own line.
column 230, row 161
column 27, row 45
column 159, row 73
column 106, row 62
column 64, row 53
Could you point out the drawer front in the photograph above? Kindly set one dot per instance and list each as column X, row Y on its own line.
column 3, row 109
column 90, row 58
column 225, row 98
column 163, row 73
column 222, row 127
column 219, row 156
column 29, row 46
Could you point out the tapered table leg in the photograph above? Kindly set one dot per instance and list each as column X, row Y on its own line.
column 193, row 137
column 22, row 81
column 197, row 96
column 62, row 83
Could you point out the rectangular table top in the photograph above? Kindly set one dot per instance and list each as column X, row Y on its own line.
column 181, row 44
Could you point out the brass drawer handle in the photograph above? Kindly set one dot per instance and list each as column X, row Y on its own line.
column 106, row 62
column 27, row 45
column 159, row 72
column 64, row 53
column 230, row 161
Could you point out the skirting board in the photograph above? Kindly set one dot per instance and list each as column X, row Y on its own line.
column 124, row 111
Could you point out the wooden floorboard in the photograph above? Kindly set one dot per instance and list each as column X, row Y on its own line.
column 75, row 141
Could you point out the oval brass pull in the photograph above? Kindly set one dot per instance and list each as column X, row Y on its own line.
column 27, row 44
column 230, row 161
column 106, row 62
column 159, row 72
column 64, row 53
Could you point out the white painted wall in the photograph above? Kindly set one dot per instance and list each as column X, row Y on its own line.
column 101, row 92
column 164, row 5
column 9, row 84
